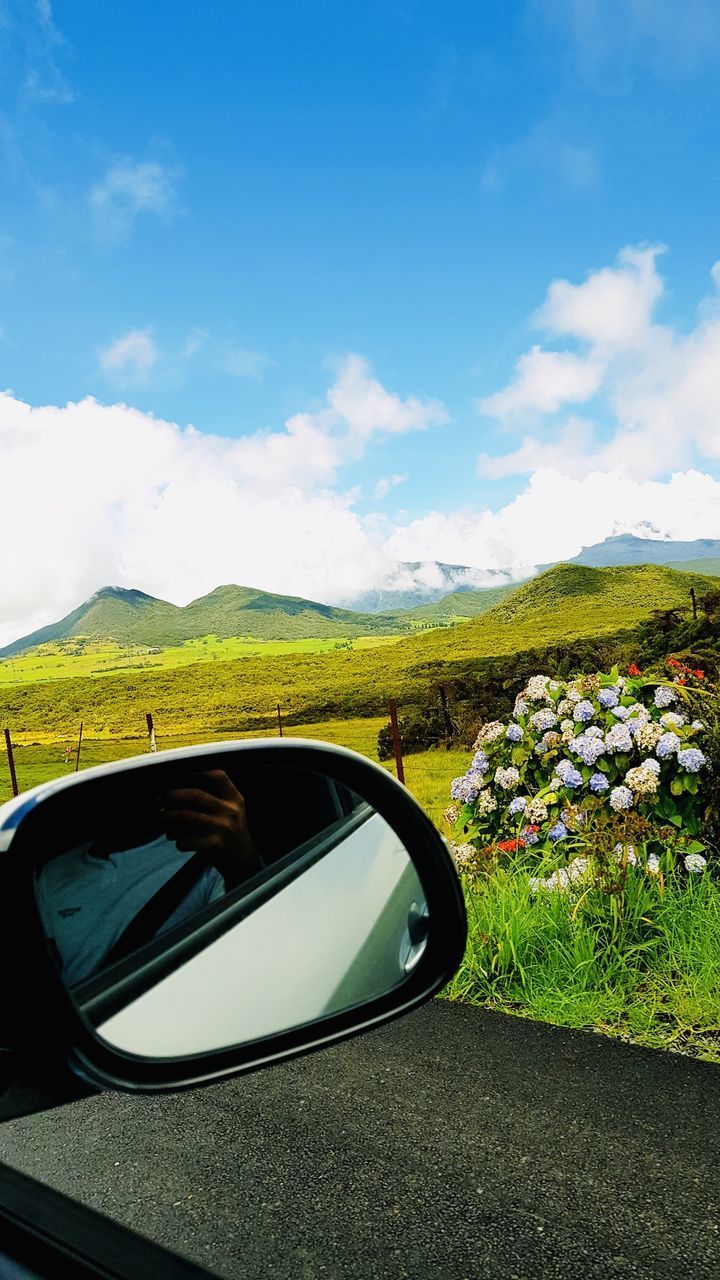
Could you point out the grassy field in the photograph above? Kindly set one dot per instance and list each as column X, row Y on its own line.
column 228, row 697
column 71, row 660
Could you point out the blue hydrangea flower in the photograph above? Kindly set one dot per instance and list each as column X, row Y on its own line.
column 529, row 837
column 691, row 759
column 668, row 745
column 517, row 805
column 568, row 774
column 521, row 707
column 651, row 765
column 558, row 832
column 608, row 697
column 543, row 719
column 599, row 783
column 665, row 696
column 621, row 798
column 621, row 713
column 593, row 731
column 588, row 749
column 583, row 711
column 514, row 733
column 480, row 763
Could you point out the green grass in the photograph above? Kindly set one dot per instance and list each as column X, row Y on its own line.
column 69, row 660
column 40, row 761
column 238, row 695
column 646, row 969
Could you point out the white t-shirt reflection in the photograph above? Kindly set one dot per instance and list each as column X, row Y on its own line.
column 86, row 902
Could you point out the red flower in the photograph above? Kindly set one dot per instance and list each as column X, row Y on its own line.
column 681, row 681
column 633, row 670
column 699, row 674
column 509, row 846
column 673, row 662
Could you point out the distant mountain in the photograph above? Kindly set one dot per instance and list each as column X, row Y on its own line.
column 131, row 617
column 420, row 582
column 459, row 604
column 626, row 548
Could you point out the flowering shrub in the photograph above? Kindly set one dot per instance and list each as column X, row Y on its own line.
column 574, row 751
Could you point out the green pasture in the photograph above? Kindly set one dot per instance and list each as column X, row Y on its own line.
column 72, row 660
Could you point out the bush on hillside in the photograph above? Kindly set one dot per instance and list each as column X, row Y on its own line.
column 622, row 755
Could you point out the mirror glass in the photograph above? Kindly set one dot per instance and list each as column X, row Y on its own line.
column 204, row 902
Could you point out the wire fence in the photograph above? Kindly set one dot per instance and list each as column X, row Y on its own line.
column 31, row 762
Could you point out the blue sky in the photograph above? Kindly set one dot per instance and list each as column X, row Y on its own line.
column 207, row 209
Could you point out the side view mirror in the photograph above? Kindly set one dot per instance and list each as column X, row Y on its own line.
column 210, row 910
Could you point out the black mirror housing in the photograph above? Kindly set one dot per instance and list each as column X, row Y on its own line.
column 336, row 832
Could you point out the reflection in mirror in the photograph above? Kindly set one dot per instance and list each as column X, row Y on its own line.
column 212, row 900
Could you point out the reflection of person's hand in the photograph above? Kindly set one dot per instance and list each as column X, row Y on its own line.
column 211, row 819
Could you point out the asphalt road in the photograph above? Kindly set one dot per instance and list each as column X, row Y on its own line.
column 453, row 1143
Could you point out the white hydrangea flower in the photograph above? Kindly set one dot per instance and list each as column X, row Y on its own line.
column 644, row 782
column 695, row 862
column 486, row 804
column 648, row 735
column 536, row 689
column 489, row 733
column 652, row 865
column 508, row 778
column 463, row 854
column 536, row 811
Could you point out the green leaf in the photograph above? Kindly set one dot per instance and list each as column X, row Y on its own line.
column 676, row 786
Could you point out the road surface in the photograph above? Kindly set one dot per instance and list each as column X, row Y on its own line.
column 454, row 1143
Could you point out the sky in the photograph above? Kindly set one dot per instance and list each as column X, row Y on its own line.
column 291, row 293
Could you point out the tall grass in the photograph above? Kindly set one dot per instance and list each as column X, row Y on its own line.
column 644, row 965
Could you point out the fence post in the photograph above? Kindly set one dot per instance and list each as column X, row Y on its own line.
column 279, row 716
column 447, row 718
column 151, row 731
column 77, row 755
column 397, row 744
column 11, row 762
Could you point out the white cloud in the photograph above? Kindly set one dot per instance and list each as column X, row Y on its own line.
column 612, row 308
column 386, row 483
column 367, row 407
column 558, row 514
column 128, row 189
column 244, row 363
column 132, row 356
column 544, row 380
column 118, row 496
column 658, row 389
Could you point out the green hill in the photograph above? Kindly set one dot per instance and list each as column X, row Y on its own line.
column 131, row 617
column 567, row 603
column 703, row 567
column 459, row 604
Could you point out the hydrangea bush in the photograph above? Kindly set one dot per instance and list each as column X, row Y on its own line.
column 598, row 746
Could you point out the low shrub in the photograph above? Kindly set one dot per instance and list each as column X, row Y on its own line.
column 605, row 762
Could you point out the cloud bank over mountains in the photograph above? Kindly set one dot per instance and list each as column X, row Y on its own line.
column 611, row 424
